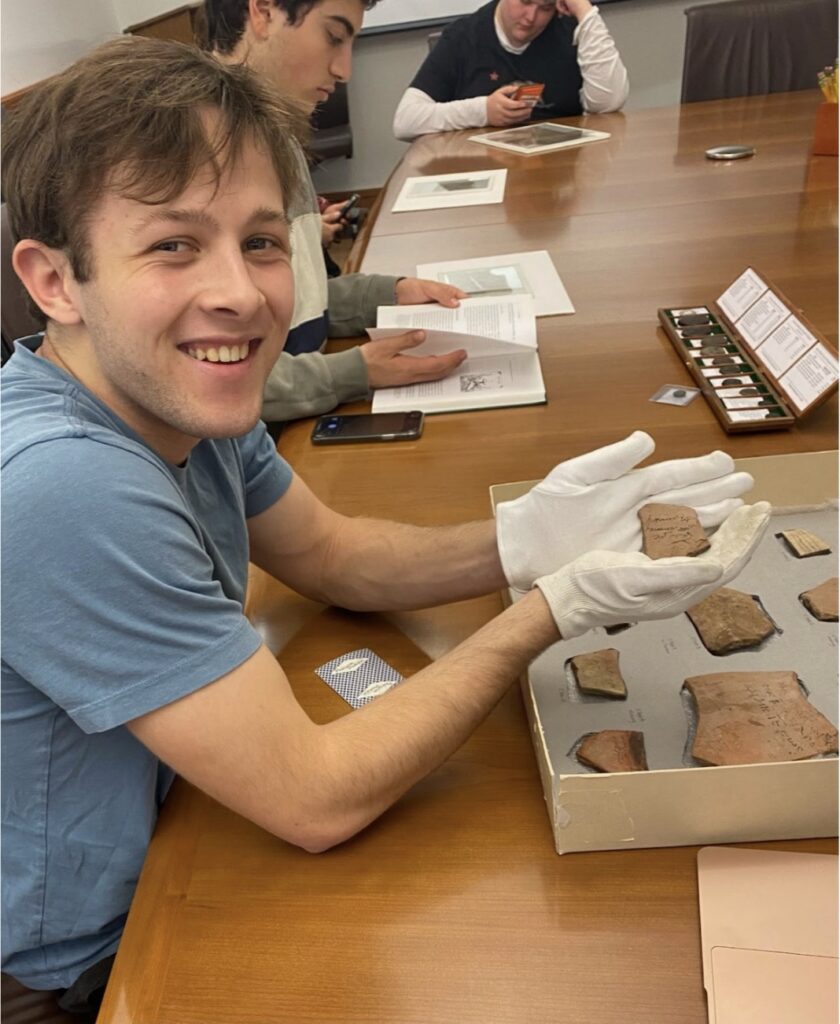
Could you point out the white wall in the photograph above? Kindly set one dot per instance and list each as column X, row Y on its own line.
column 41, row 37
column 135, row 12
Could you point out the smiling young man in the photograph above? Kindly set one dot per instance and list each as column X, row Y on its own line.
column 138, row 482
column 302, row 48
column 467, row 79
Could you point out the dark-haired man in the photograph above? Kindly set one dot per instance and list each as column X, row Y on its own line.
column 303, row 47
column 469, row 78
column 138, row 481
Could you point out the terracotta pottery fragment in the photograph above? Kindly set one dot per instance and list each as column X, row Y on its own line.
column 614, row 750
column 821, row 601
column 599, row 673
column 671, row 530
column 756, row 717
column 730, row 620
column 804, row 544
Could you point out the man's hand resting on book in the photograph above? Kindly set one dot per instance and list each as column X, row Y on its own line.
column 591, row 503
column 389, row 367
column 412, row 291
column 603, row 588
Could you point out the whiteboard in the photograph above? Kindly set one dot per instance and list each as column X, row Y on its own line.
column 391, row 15
column 397, row 15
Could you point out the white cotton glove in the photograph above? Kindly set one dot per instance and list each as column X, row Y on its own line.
column 604, row 588
column 591, row 503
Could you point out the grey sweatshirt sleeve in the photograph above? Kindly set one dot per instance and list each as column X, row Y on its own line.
column 352, row 302
column 311, row 384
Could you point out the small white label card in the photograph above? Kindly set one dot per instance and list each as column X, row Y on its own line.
column 359, row 676
column 815, row 373
column 761, row 318
column 785, row 345
column 741, row 294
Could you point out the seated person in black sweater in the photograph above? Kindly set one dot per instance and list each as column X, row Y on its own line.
column 467, row 79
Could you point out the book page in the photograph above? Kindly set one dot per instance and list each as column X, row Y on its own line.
column 815, row 373
column 741, row 294
column 484, row 325
column 522, row 273
column 480, row 383
column 785, row 345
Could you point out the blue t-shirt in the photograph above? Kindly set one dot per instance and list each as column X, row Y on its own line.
column 123, row 582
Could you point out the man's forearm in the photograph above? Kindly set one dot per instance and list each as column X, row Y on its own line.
column 418, row 114
column 368, row 564
column 421, row 722
column 605, row 83
column 373, row 565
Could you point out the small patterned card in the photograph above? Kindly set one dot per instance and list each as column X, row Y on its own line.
column 359, row 676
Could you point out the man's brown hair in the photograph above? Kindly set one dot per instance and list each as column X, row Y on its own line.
column 131, row 116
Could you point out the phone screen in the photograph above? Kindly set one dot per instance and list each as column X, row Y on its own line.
column 381, row 426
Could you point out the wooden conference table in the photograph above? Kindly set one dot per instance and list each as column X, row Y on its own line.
column 454, row 907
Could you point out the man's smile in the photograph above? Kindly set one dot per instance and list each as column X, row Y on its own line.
column 219, row 351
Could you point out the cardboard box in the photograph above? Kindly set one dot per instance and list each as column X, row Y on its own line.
column 680, row 805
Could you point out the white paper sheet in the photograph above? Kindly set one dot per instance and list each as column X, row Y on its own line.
column 530, row 139
column 442, row 191
column 521, row 273
column 483, row 325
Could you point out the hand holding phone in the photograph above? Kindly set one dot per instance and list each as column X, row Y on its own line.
column 528, row 93
column 348, row 206
column 378, row 426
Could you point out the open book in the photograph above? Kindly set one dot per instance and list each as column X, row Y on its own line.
column 502, row 367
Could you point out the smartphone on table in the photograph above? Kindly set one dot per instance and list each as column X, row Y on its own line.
column 375, row 426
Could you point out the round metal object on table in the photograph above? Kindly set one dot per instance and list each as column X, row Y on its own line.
column 730, row 152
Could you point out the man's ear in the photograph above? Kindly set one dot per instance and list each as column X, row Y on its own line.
column 260, row 13
column 47, row 276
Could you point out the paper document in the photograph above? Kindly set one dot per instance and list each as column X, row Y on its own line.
column 520, row 273
column 502, row 367
column 768, row 926
column 441, row 191
column 544, row 137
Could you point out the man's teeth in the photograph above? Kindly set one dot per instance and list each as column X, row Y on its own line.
column 222, row 354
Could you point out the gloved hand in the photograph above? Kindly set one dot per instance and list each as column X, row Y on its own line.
column 603, row 588
column 591, row 503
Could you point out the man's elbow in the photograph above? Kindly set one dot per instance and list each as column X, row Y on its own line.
column 316, row 829
column 403, row 129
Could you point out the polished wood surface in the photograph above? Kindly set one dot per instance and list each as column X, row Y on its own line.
column 454, row 907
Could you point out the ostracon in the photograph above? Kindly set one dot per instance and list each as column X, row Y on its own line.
column 730, row 620
column 671, row 530
column 614, row 750
column 756, row 717
column 821, row 601
column 804, row 544
column 599, row 673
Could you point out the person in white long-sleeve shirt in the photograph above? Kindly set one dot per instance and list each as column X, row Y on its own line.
column 467, row 80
